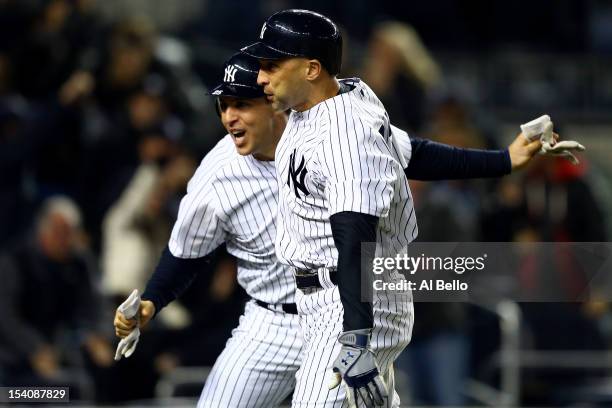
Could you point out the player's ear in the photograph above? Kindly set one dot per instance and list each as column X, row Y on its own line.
column 313, row 70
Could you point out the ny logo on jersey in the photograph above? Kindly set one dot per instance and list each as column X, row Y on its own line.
column 263, row 30
column 297, row 175
column 230, row 73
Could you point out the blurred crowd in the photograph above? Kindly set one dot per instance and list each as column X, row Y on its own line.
column 103, row 120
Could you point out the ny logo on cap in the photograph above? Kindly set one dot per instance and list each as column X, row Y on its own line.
column 263, row 30
column 230, row 73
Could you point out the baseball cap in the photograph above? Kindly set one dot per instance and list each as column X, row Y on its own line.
column 239, row 78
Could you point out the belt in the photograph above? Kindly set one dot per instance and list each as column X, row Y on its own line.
column 290, row 308
column 305, row 279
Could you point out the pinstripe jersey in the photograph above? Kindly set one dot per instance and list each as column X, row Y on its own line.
column 233, row 199
column 341, row 155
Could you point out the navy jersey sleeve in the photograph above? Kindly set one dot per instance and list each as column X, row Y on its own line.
column 171, row 278
column 436, row 161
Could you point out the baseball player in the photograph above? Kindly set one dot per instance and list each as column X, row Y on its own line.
column 232, row 198
column 343, row 181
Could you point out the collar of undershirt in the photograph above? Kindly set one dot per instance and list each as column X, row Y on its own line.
column 344, row 88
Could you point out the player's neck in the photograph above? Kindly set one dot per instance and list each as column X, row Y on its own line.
column 325, row 89
column 280, row 122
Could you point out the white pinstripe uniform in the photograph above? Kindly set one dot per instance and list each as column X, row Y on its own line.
column 341, row 155
column 233, row 199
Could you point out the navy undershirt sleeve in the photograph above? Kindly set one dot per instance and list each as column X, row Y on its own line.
column 349, row 230
column 436, row 161
column 171, row 278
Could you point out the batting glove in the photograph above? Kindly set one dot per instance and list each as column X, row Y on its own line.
column 542, row 128
column 356, row 366
column 129, row 309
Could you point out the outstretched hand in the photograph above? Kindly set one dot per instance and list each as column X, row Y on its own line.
column 522, row 150
column 542, row 129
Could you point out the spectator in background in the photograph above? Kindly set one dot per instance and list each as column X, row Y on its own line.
column 48, row 286
column 402, row 72
column 167, row 15
column 75, row 95
column 553, row 202
column 48, row 40
column 137, row 227
column 124, row 61
column 437, row 360
column 553, row 199
column 131, row 92
column 41, row 44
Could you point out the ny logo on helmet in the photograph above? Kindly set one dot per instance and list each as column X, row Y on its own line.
column 230, row 73
column 263, row 30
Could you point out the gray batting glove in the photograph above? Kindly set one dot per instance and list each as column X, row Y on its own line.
column 563, row 149
column 127, row 345
column 356, row 367
column 129, row 309
column 542, row 128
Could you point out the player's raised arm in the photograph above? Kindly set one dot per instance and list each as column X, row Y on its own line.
column 431, row 161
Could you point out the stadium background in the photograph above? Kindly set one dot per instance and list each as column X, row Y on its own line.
column 104, row 116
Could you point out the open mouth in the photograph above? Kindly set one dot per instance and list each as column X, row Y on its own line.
column 238, row 134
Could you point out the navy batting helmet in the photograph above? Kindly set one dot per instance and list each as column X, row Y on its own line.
column 239, row 78
column 299, row 33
